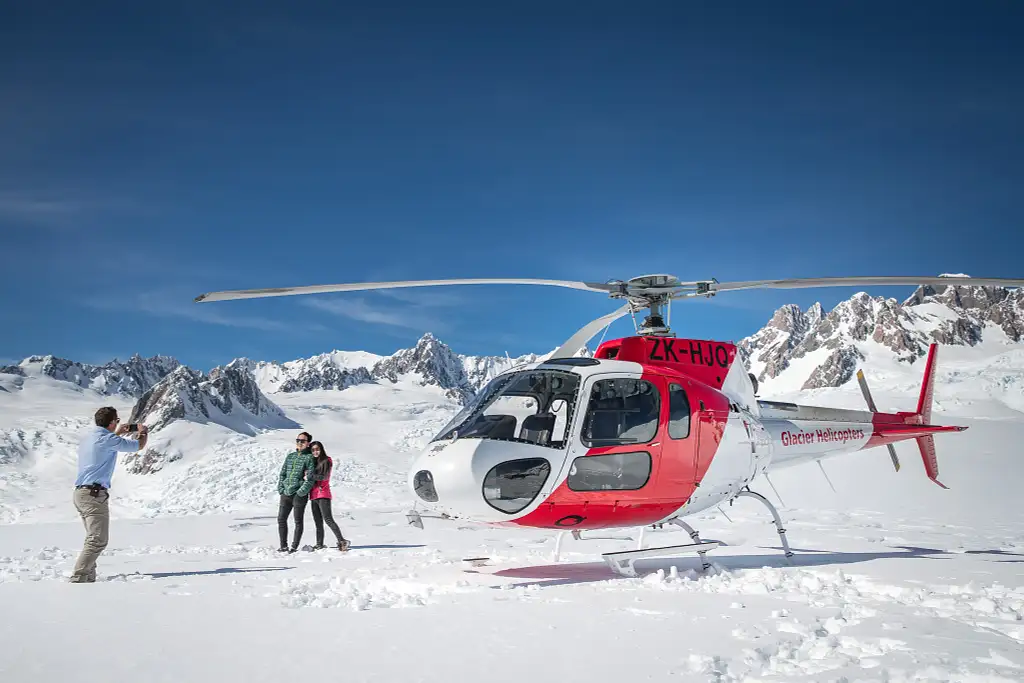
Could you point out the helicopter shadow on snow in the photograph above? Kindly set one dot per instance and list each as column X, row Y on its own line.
column 589, row 572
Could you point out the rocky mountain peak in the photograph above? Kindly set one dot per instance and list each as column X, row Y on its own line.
column 959, row 296
column 977, row 307
column 433, row 362
column 228, row 396
column 788, row 319
column 132, row 378
column 841, row 339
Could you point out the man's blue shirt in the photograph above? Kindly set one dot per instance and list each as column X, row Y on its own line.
column 97, row 455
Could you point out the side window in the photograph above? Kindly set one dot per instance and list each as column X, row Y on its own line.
column 678, row 412
column 610, row 472
column 621, row 411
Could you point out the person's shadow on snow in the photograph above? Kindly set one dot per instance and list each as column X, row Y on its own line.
column 222, row 570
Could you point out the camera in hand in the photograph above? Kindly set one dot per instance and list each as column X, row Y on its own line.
column 134, row 427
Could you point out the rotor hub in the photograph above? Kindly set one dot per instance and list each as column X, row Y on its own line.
column 652, row 292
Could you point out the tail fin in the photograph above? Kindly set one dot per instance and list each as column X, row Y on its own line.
column 924, row 417
column 924, row 403
column 892, row 427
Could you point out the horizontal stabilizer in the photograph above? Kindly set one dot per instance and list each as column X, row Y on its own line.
column 892, row 427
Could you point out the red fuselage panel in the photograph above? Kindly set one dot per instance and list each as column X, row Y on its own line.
column 700, row 359
column 677, row 465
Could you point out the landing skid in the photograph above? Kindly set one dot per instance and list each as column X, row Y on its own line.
column 416, row 519
column 622, row 562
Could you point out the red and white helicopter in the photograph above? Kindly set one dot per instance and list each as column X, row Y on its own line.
column 648, row 431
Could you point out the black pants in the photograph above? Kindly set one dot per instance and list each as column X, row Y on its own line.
column 289, row 503
column 322, row 513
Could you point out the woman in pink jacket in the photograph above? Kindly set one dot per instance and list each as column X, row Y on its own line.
column 320, row 498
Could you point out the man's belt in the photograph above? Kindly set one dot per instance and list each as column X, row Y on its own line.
column 94, row 489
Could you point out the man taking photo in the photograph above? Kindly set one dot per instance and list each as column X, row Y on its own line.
column 97, row 455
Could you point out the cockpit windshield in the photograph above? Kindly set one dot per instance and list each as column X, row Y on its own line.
column 531, row 406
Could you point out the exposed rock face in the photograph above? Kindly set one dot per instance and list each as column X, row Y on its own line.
column 325, row 376
column 229, row 396
column 177, row 397
column 837, row 369
column 956, row 315
column 480, row 370
column 148, row 460
column 233, row 385
column 977, row 305
column 330, row 371
column 131, row 379
column 778, row 340
column 433, row 363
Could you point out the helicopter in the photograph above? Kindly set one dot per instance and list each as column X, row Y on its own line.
column 649, row 430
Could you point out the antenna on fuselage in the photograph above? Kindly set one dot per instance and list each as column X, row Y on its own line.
column 826, row 477
column 774, row 489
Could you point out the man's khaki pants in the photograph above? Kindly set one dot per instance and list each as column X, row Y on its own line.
column 95, row 514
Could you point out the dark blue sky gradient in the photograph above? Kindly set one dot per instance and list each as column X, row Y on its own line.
column 149, row 153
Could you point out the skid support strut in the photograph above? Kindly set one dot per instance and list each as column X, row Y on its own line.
column 695, row 537
column 775, row 515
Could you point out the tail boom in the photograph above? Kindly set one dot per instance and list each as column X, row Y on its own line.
column 805, row 433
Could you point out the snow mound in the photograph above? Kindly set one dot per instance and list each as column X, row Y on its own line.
column 353, row 594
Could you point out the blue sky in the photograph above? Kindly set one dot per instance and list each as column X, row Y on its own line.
column 151, row 153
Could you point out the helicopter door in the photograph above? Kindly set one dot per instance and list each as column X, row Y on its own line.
column 616, row 445
column 679, row 447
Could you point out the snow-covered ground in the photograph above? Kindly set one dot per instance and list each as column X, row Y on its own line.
column 894, row 579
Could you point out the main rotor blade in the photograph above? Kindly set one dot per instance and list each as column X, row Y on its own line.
column 361, row 286
column 573, row 344
column 805, row 283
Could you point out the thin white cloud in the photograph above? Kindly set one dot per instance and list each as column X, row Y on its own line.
column 17, row 206
column 172, row 304
column 54, row 211
column 359, row 309
column 435, row 297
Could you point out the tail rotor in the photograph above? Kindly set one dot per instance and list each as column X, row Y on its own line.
column 871, row 406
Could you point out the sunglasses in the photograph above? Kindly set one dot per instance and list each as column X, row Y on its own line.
column 301, row 440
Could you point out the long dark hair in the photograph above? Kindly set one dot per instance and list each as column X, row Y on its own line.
column 323, row 464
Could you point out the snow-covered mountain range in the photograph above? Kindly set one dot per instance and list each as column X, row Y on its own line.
column 812, row 349
column 132, row 378
column 797, row 350
column 236, row 395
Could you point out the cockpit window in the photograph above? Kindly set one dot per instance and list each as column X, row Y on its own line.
column 531, row 406
column 621, row 411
